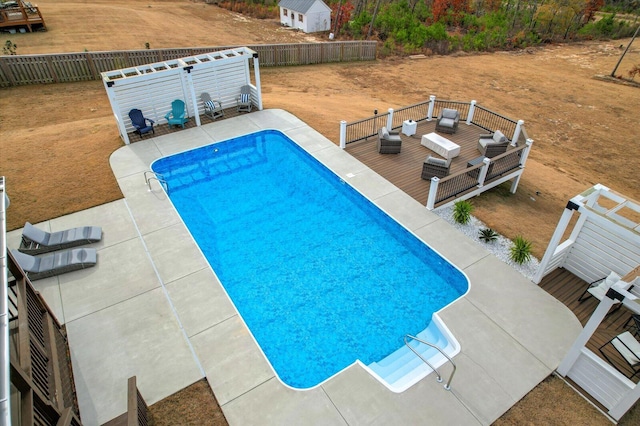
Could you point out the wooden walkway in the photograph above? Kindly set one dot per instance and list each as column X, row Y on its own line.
column 404, row 170
column 567, row 288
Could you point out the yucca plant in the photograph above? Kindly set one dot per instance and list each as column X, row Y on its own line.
column 488, row 235
column 462, row 211
column 520, row 251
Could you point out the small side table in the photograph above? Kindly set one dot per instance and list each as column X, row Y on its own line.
column 409, row 127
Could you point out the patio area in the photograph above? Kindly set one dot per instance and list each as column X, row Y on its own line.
column 404, row 169
column 154, row 308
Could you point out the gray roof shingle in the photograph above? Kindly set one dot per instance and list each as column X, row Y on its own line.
column 301, row 6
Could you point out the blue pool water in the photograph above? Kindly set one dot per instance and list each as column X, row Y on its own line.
column 320, row 275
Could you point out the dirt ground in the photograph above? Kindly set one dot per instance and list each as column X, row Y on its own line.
column 55, row 140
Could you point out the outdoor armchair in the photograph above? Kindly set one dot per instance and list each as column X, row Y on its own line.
column 438, row 167
column 35, row 241
column 212, row 108
column 243, row 101
column 177, row 115
column 140, row 123
column 447, row 121
column 493, row 144
column 389, row 142
column 628, row 348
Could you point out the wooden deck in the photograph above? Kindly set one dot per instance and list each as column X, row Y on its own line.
column 164, row 129
column 404, row 169
column 567, row 288
column 18, row 16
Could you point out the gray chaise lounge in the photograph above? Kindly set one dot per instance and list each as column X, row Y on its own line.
column 57, row 263
column 35, row 241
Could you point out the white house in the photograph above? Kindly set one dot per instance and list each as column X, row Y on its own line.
column 309, row 16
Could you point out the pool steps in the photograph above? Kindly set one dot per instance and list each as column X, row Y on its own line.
column 402, row 368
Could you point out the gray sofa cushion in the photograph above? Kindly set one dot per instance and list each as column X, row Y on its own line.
column 449, row 113
column 437, row 161
column 499, row 137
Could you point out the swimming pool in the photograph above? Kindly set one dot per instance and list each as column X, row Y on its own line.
column 319, row 274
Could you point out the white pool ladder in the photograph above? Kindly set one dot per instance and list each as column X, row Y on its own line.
column 158, row 177
column 447, row 386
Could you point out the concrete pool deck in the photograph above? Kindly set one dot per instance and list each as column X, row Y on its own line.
column 152, row 307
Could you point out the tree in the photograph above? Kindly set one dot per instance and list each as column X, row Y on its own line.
column 451, row 11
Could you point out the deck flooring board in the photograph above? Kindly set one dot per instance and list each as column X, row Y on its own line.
column 567, row 288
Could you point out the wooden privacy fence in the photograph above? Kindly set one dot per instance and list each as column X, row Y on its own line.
column 18, row 70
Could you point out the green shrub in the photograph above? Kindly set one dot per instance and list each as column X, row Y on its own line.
column 462, row 211
column 520, row 251
column 488, row 235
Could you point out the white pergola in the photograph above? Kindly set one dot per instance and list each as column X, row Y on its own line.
column 151, row 88
column 605, row 238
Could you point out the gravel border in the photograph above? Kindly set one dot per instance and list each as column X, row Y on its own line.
column 500, row 247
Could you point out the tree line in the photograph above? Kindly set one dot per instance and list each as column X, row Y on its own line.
column 444, row 26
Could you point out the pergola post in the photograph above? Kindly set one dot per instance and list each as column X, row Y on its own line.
column 116, row 111
column 555, row 239
column 192, row 92
column 256, row 74
column 581, row 341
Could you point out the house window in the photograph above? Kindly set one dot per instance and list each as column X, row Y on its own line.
column 284, row 12
column 300, row 17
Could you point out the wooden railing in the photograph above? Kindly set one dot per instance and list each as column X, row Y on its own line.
column 41, row 368
column 81, row 66
column 137, row 413
column 482, row 117
column 450, row 187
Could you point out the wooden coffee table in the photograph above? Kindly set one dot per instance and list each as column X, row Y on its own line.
column 441, row 146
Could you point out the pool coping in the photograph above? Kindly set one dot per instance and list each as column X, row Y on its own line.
column 512, row 334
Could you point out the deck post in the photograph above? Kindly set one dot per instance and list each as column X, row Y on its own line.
column 472, row 109
column 433, row 190
column 525, row 152
column 432, row 104
column 343, row 134
column 581, row 341
column 390, row 119
column 523, row 160
column 555, row 239
column 516, row 133
column 482, row 176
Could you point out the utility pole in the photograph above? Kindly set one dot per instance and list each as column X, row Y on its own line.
column 613, row 73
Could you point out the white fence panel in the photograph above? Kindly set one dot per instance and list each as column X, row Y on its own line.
column 153, row 97
column 599, row 250
column 599, row 379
